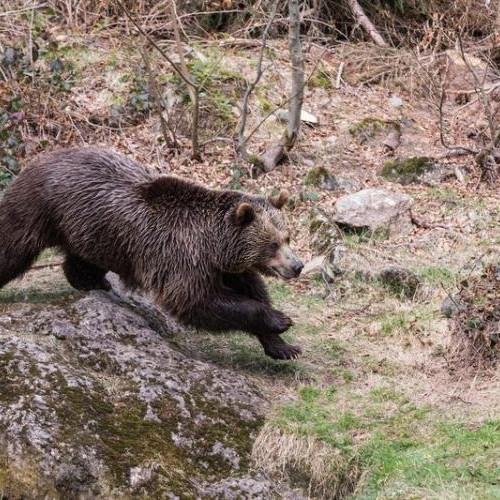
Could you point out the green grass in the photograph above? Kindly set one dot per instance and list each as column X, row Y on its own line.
column 320, row 79
column 413, row 320
column 398, row 449
column 394, row 323
column 436, row 275
column 451, row 460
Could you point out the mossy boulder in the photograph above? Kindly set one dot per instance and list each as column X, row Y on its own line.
column 97, row 401
column 407, row 170
column 399, row 282
column 383, row 213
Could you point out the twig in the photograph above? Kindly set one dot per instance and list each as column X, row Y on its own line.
column 442, row 138
column 44, row 266
column 24, row 9
column 30, row 35
column 7, row 169
column 171, row 143
column 244, row 106
column 184, row 77
column 479, row 90
column 229, row 140
column 339, row 75
column 363, row 20
column 193, row 90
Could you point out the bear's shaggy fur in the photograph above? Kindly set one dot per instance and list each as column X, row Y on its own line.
column 199, row 251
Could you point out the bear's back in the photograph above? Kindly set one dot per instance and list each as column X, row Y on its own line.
column 91, row 165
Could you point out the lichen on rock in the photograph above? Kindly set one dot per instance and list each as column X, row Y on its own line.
column 96, row 403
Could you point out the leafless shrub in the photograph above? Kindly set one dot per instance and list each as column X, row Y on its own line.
column 476, row 324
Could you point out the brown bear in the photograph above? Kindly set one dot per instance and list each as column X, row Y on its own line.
column 199, row 251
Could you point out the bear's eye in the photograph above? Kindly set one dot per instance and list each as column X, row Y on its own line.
column 274, row 247
column 287, row 240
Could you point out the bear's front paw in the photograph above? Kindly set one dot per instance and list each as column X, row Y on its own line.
column 283, row 351
column 279, row 322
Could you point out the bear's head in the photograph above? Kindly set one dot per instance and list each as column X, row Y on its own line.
column 259, row 238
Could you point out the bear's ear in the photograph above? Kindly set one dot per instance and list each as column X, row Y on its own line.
column 279, row 200
column 244, row 214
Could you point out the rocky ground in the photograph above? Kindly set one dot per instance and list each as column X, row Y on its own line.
column 104, row 396
column 98, row 400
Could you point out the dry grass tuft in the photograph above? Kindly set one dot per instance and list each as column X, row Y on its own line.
column 325, row 471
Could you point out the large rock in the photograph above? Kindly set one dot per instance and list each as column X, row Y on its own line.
column 387, row 213
column 96, row 401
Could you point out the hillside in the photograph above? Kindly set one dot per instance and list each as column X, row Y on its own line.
column 395, row 395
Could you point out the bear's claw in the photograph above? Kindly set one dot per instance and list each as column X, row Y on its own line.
column 279, row 349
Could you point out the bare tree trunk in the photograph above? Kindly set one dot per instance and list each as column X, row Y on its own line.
column 297, row 74
column 366, row 23
column 276, row 153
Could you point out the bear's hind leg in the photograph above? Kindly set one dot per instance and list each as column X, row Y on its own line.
column 83, row 275
column 14, row 263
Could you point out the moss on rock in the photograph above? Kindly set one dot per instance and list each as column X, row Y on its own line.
column 406, row 170
column 320, row 177
column 370, row 127
column 100, row 415
column 399, row 282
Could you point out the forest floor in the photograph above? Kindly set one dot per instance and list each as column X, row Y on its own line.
column 377, row 406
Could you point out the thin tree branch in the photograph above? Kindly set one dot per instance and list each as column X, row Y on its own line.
column 455, row 149
column 171, row 143
column 363, row 20
column 480, row 91
column 250, row 88
column 193, row 90
column 184, row 77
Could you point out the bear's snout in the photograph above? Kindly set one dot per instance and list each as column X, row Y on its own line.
column 297, row 266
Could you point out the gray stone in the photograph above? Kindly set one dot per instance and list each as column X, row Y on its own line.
column 375, row 209
column 321, row 177
column 346, row 185
column 396, row 101
column 97, row 401
column 416, row 169
column 451, row 305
